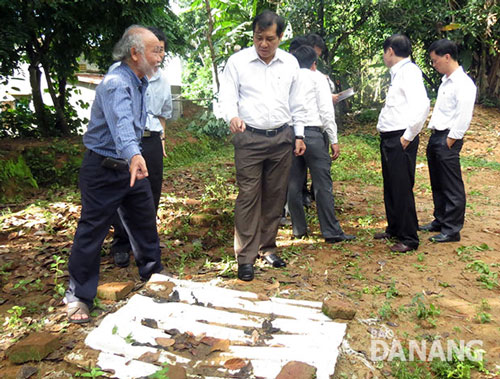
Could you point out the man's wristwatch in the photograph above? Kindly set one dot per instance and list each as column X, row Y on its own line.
column 299, row 137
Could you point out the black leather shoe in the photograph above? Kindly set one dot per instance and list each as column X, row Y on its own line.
column 274, row 260
column 245, row 272
column 122, row 259
column 400, row 247
column 382, row 235
column 445, row 237
column 301, row 236
column 343, row 237
column 430, row 227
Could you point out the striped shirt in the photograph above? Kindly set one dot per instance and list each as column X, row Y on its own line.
column 118, row 115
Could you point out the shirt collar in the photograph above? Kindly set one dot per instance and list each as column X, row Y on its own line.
column 277, row 56
column 394, row 69
column 134, row 77
column 458, row 72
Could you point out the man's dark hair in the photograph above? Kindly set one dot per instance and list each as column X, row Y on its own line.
column 296, row 43
column 445, row 46
column 315, row 40
column 306, row 56
column 159, row 34
column 266, row 19
column 400, row 44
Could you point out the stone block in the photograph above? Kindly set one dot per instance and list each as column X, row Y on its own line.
column 297, row 370
column 35, row 347
column 115, row 290
column 338, row 309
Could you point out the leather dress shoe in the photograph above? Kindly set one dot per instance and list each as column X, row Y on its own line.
column 400, row 247
column 301, row 236
column 441, row 237
column 245, row 272
column 382, row 235
column 274, row 260
column 342, row 237
column 430, row 227
column 121, row 258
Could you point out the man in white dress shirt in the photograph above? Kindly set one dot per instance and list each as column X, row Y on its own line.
column 450, row 120
column 259, row 98
column 400, row 121
column 320, row 118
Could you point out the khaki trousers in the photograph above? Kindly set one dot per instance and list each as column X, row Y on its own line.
column 262, row 168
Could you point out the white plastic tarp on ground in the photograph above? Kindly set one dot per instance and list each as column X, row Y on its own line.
column 300, row 331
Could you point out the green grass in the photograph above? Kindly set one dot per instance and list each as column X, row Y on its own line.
column 479, row 163
column 359, row 160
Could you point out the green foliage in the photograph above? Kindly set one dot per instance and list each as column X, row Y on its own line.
column 18, row 121
column 368, row 116
column 161, row 373
column 189, row 152
column 479, row 163
column 209, row 125
column 56, row 268
column 488, row 278
column 57, row 164
column 14, row 175
column 93, row 373
column 14, row 320
column 197, row 79
column 29, row 35
column 458, row 368
column 465, row 252
column 358, row 155
column 385, row 312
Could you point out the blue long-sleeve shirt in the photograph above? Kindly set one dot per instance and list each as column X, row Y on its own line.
column 118, row 115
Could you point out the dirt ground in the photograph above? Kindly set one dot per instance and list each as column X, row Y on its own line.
column 363, row 272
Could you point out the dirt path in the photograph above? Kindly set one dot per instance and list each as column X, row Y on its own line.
column 388, row 287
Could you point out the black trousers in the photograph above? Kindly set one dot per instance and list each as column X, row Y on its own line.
column 448, row 191
column 317, row 159
column 152, row 152
column 398, row 171
column 103, row 191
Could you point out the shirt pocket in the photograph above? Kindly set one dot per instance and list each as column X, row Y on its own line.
column 281, row 84
column 395, row 97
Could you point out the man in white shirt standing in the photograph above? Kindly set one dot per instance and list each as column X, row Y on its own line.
column 400, row 121
column 450, row 120
column 320, row 118
column 259, row 98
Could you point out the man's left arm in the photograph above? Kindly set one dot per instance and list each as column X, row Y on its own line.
column 416, row 96
column 466, row 97
column 298, row 112
column 166, row 111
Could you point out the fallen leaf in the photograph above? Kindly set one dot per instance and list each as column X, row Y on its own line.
column 235, row 364
column 221, row 345
column 149, row 357
column 165, row 342
column 255, row 336
column 273, row 286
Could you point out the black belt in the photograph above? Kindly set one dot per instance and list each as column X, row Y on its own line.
column 267, row 132
column 395, row 133
column 314, row 128
column 434, row 131
column 149, row 133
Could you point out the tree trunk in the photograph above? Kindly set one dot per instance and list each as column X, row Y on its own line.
column 494, row 79
column 61, row 123
column 210, row 44
column 40, row 114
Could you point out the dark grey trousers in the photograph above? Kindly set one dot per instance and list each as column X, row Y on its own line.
column 317, row 159
column 448, row 190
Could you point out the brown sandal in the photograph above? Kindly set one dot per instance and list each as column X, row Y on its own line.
column 78, row 308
